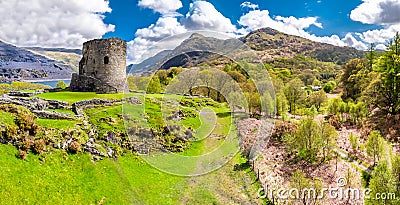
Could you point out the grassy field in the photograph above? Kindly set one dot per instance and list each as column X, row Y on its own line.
column 57, row 177
column 57, row 124
column 72, row 97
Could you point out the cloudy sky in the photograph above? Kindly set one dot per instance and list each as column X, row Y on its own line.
column 69, row 23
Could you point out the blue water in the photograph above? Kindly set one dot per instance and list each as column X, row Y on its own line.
column 52, row 83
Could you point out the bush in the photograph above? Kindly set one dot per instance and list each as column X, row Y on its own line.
column 26, row 144
column 74, row 147
column 22, row 154
column 10, row 133
column 61, row 84
column 39, row 146
column 283, row 128
column 25, row 120
column 329, row 86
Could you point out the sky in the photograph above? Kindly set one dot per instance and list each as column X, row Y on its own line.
column 142, row 23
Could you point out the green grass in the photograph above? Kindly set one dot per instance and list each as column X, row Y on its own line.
column 59, row 178
column 77, row 180
column 106, row 118
column 6, row 118
column 57, row 124
column 61, row 111
column 72, row 97
column 74, row 179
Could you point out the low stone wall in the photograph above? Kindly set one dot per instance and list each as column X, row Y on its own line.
column 54, row 115
column 34, row 103
column 79, row 107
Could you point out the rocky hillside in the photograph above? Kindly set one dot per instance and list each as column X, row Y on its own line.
column 270, row 44
column 21, row 64
column 70, row 57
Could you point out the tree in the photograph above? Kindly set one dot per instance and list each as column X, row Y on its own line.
column 396, row 173
column 281, row 104
column 206, row 77
column 154, row 86
column 382, row 182
column 329, row 86
column 375, row 145
column 131, row 82
column 354, row 142
column 254, row 103
column 307, row 139
column 329, row 138
column 163, row 77
column 268, row 104
column 371, row 56
column 5, row 88
column 237, row 76
column 388, row 66
column 61, row 84
column 304, row 189
column 185, row 82
column 317, row 98
column 294, row 93
column 354, row 78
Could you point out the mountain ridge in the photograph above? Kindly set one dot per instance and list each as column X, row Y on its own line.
column 20, row 64
column 269, row 45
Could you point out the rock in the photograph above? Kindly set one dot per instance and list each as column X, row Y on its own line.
column 53, row 115
column 110, row 137
column 110, row 152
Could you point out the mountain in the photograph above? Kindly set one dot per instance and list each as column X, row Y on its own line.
column 20, row 64
column 61, row 50
column 70, row 57
column 135, row 69
column 270, row 44
column 195, row 50
column 267, row 43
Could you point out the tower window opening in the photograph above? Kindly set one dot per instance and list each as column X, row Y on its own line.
column 106, row 60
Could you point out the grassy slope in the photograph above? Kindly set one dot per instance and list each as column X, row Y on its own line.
column 72, row 97
column 59, row 178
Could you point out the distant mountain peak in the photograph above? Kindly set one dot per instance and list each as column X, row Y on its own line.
column 196, row 35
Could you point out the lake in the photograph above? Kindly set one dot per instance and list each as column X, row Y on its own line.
column 51, row 83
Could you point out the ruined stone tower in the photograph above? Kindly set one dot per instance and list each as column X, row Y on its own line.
column 102, row 68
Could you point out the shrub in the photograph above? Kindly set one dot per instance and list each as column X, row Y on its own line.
column 10, row 133
column 283, row 128
column 25, row 120
column 61, row 84
column 39, row 146
column 74, row 147
column 25, row 145
column 22, row 154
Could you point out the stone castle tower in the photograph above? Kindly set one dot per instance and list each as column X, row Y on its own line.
column 102, row 68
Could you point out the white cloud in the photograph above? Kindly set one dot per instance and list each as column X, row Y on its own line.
column 50, row 23
column 295, row 26
column 202, row 15
column 353, row 42
column 164, row 27
column 381, row 47
column 147, row 37
column 377, row 12
column 165, row 7
column 380, row 35
column 249, row 5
